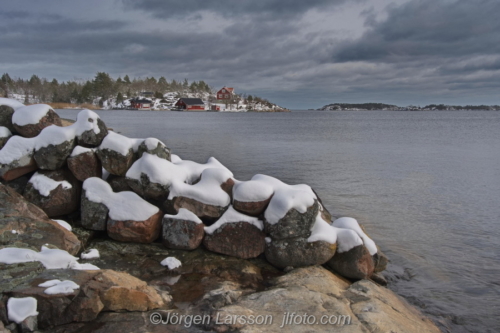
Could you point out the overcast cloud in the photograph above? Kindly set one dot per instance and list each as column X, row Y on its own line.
column 299, row 54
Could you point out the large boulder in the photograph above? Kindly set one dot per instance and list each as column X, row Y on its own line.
column 30, row 120
column 357, row 263
column 293, row 224
column 16, row 158
column 117, row 153
column 252, row 197
column 93, row 132
column 56, row 192
column 23, row 224
column 298, row 252
column 236, row 235
column 183, row 231
column 53, row 147
column 5, row 135
column 95, row 291
column 84, row 163
column 154, row 147
column 130, row 218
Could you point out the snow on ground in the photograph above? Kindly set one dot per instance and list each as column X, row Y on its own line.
column 55, row 287
column 232, row 216
column 50, row 258
column 90, row 254
column 44, row 185
column 78, row 150
column 21, row 308
column 286, row 197
column 346, row 239
column 30, row 114
column 5, row 132
column 352, row 224
column 119, row 143
column 208, row 190
column 171, row 262
column 185, row 215
column 123, row 206
column 64, row 224
column 11, row 102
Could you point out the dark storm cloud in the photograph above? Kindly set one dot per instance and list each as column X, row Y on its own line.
column 263, row 8
column 429, row 29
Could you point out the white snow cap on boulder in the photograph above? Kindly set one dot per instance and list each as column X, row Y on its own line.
column 233, row 216
column 30, row 114
column 286, row 197
column 157, row 169
column 345, row 233
column 19, row 309
column 123, row 206
column 11, row 103
column 17, row 148
column 194, row 169
column 120, row 143
column 44, row 185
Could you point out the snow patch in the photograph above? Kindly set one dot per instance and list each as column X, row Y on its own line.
column 44, row 185
column 5, row 132
column 50, row 258
column 123, row 206
column 252, row 191
column 55, row 287
column 185, row 214
column 90, row 254
column 64, row 224
column 21, row 308
column 171, row 262
column 30, row 114
column 233, row 216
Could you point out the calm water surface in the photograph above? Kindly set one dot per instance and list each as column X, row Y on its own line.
column 425, row 184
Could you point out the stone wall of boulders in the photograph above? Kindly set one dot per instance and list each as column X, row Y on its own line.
column 149, row 195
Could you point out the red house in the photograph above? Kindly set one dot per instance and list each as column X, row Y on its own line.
column 225, row 93
column 190, row 104
column 140, row 104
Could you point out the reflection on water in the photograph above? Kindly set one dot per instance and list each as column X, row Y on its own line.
column 424, row 184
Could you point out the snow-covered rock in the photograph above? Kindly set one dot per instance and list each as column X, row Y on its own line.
column 16, row 158
column 7, row 108
column 117, row 153
column 236, row 235
column 30, row 120
column 56, row 192
column 84, row 163
column 183, row 231
column 154, row 147
column 252, row 197
column 130, row 218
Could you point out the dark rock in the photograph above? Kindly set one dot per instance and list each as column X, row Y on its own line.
column 33, row 227
column 53, row 157
column 159, row 149
column 237, row 239
column 136, row 231
column 90, row 138
column 147, row 189
column 61, row 200
column 357, row 263
column 181, row 234
column 298, row 252
column 5, row 135
column 32, row 130
column 94, row 215
column 379, row 279
column 29, row 324
column 114, row 162
column 118, row 184
column 85, row 165
column 293, row 224
column 6, row 113
column 380, row 261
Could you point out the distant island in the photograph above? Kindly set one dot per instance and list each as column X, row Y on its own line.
column 390, row 107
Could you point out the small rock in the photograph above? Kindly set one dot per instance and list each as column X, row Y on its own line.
column 357, row 263
column 29, row 324
column 182, row 234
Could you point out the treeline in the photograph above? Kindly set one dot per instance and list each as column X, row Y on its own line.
column 430, row 107
column 101, row 87
column 363, row 106
column 461, row 107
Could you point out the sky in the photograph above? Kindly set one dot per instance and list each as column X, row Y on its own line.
column 296, row 53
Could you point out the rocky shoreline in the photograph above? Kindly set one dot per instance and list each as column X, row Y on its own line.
column 166, row 237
